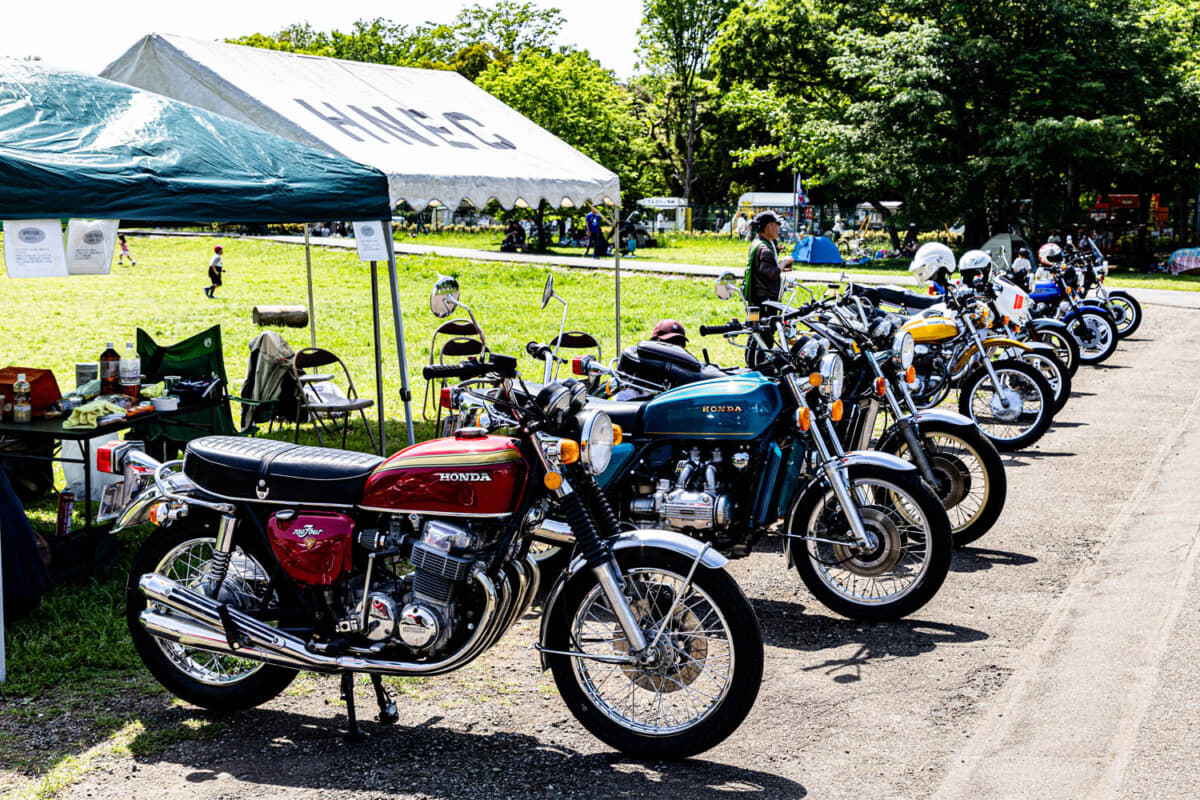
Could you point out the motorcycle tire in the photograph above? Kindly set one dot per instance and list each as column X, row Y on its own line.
column 900, row 574
column 1055, row 373
column 1018, row 377
column 1123, row 308
column 971, row 482
column 728, row 637
column 1095, row 332
column 1064, row 344
column 213, row 681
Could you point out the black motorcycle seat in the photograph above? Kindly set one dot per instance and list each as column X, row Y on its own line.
column 627, row 414
column 895, row 296
column 271, row 471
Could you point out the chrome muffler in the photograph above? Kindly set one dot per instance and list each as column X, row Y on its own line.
column 194, row 620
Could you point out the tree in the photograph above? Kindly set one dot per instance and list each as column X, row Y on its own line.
column 675, row 39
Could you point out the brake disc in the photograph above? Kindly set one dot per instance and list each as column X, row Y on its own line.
column 877, row 560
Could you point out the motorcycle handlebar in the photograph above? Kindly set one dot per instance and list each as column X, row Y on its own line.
column 505, row 366
column 538, row 350
column 713, row 330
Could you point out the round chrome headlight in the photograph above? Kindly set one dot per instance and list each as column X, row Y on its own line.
column 832, row 375
column 595, row 440
column 904, row 346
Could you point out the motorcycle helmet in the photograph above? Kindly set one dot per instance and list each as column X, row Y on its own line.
column 974, row 265
column 1050, row 254
column 930, row 259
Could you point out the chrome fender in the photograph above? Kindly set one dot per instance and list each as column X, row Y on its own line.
column 817, row 484
column 137, row 512
column 685, row 546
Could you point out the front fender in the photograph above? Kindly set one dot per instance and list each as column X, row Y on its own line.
column 667, row 540
column 988, row 344
column 854, row 458
column 943, row 418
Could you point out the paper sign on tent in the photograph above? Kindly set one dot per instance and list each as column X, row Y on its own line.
column 33, row 248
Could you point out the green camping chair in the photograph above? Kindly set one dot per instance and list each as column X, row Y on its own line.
column 198, row 356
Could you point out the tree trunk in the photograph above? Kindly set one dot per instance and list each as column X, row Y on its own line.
column 691, row 151
column 888, row 225
column 289, row 316
column 539, row 218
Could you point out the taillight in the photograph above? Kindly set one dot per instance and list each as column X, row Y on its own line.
column 577, row 366
column 110, row 456
column 446, row 400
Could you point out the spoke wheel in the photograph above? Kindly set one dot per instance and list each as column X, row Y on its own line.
column 216, row 681
column 903, row 564
column 692, row 689
column 1015, row 413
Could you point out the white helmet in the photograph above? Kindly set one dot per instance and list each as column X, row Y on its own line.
column 973, row 264
column 1050, row 254
column 931, row 258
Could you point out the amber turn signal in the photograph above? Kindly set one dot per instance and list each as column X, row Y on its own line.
column 881, row 386
column 910, row 375
column 157, row 515
column 835, row 411
column 553, row 480
column 618, row 434
column 815, row 379
column 803, row 419
column 568, row 451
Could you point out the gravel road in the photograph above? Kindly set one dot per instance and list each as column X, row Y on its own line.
column 1055, row 662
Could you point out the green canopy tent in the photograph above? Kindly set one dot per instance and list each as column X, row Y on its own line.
column 73, row 145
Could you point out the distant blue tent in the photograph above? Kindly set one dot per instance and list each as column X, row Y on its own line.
column 816, row 250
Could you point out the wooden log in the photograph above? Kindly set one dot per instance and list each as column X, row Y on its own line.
column 289, row 316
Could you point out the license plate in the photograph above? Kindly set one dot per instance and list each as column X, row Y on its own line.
column 112, row 503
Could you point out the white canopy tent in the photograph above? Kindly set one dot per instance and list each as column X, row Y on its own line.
column 436, row 135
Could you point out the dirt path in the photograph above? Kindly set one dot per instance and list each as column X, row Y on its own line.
column 1055, row 662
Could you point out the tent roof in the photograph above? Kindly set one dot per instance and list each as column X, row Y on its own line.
column 73, row 145
column 816, row 250
column 435, row 134
column 767, row 199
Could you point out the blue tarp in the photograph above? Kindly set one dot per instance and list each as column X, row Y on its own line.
column 73, row 145
column 816, row 250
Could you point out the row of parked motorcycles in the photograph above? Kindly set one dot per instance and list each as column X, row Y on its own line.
column 615, row 497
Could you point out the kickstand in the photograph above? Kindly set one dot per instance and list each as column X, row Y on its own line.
column 388, row 715
column 353, row 732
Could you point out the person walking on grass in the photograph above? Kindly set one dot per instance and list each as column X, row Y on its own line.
column 124, row 251
column 215, row 268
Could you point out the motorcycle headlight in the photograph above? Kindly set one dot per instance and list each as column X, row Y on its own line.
column 904, row 346
column 832, row 375
column 595, row 440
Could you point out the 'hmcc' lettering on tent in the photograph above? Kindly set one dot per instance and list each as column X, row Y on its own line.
column 385, row 122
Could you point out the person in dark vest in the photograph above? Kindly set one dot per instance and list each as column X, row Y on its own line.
column 764, row 267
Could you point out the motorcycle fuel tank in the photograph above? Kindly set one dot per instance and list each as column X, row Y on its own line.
column 932, row 328
column 730, row 409
column 467, row 475
column 312, row 546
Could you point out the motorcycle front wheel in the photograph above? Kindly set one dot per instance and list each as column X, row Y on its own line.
column 969, row 476
column 908, row 556
column 1125, row 310
column 1014, row 414
column 1095, row 332
column 1064, row 344
column 183, row 552
column 702, row 677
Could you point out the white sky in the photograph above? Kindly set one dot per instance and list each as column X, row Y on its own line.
column 88, row 36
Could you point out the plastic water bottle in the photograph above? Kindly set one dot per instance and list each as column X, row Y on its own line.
column 22, row 407
column 131, row 372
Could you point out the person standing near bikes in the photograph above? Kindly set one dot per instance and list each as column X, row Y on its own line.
column 764, row 268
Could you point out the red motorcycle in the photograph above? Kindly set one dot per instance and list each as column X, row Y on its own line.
column 271, row 557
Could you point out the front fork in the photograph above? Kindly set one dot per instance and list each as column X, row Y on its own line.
column 987, row 362
column 905, row 421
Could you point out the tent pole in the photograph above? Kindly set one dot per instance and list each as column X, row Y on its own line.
column 378, row 356
column 617, row 267
column 3, row 668
column 312, row 314
column 398, row 320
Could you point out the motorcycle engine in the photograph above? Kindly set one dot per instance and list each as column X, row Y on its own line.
column 418, row 610
column 693, row 500
column 930, row 366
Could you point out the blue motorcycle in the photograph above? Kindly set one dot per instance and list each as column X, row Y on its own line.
column 1056, row 292
column 727, row 458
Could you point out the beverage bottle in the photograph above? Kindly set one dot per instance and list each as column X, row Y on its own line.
column 22, row 408
column 131, row 372
column 110, row 371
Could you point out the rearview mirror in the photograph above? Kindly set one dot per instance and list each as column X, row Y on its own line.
column 548, row 292
column 444, row 297
column 727, row 286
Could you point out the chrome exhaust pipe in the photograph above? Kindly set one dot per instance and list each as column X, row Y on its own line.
column 197, row 623
column 554, row 532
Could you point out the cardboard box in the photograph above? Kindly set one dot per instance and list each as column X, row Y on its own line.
column 43, row 387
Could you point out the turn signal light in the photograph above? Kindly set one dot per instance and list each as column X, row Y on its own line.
column 803, row 419
column 552, row 481
column 577, row 365
column 618, row 434
column 1006, row 320
column 815, row 379
column 568, row 451
column 881, row 386
column 910, row 375
column 158, row 514
column 835, row 411
column 444, row 400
